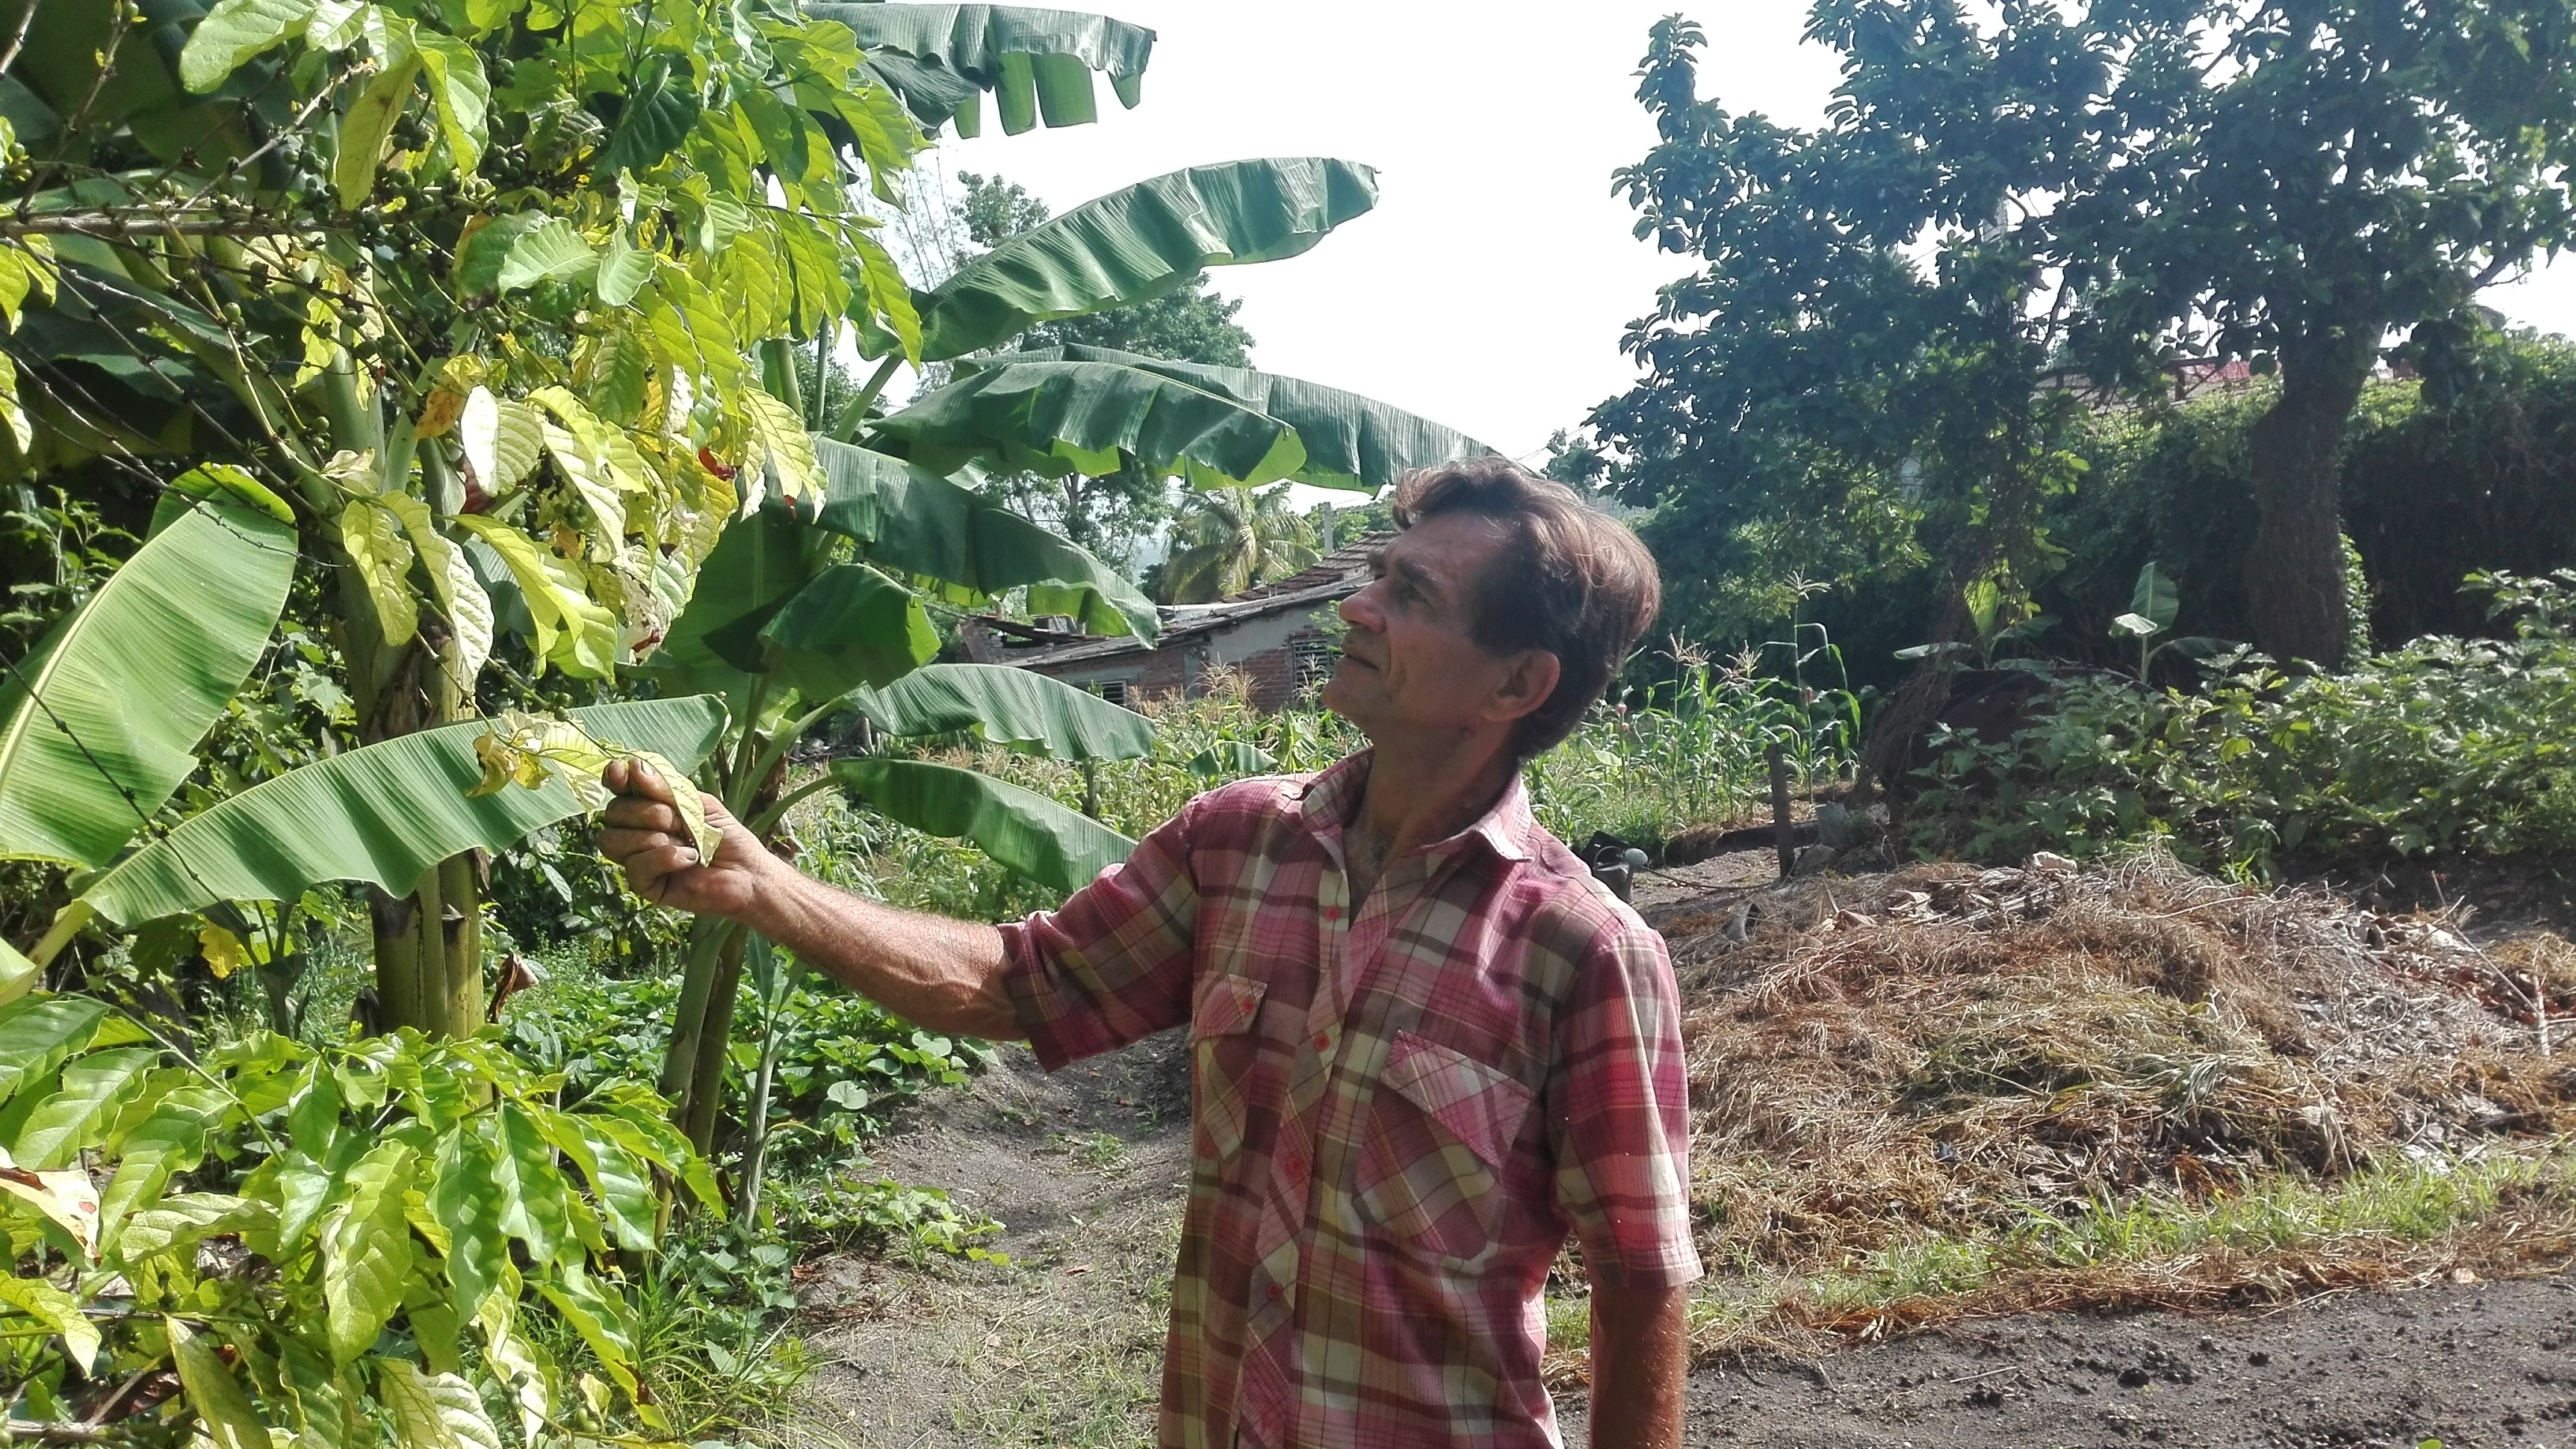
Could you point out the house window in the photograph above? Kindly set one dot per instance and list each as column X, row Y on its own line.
column 1112, row 690
column 1312, row 657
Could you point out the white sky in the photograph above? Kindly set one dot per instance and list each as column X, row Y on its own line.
column 1490, row 287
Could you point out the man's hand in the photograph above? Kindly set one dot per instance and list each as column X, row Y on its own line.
column 945, row 975
column 1639, row 1357
column 643, row 834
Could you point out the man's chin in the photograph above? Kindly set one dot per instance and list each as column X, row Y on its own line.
column 1338, row 695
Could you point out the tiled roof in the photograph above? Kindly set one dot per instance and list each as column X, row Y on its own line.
column 1334, row 576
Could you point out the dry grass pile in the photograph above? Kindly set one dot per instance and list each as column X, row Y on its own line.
column 1948, row 1053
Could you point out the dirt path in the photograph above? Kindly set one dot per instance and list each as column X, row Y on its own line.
column 1063, row 1345
column 2480, row 1364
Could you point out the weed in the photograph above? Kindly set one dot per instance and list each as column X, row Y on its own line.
column 1096, row 1150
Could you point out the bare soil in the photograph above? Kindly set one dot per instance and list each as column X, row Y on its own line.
column 2480, row 1364
column 1062, row 1345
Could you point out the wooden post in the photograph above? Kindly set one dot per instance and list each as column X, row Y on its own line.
column 1781, row 829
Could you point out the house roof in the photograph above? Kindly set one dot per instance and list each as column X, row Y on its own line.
column 1335, row 576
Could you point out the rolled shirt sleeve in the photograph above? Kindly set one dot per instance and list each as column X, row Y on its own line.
column 1112, row 965
column 1618, row 1109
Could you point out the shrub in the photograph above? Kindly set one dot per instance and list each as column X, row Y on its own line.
column 2447, row 744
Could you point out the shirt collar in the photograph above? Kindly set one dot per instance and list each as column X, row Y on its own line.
column 1507, row 829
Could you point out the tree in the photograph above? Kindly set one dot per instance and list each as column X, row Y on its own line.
column 2287, row 184
column 2290, row 183
column 1824, row 400
column 1230, row 539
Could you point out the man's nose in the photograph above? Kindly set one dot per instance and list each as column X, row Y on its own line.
column 1360, row 610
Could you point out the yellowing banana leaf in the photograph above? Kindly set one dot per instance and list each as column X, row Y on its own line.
column 1012, row 707
column 1349, row 441
column 916, row 522
column 1140, row 242
column 1020, row 828
column 101, row 721
column 940, row 58
column 382, row 814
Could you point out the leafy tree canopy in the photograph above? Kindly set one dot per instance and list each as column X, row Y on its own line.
column 2094, row 199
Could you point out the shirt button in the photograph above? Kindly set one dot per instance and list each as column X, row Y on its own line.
column 1274, row 1293
column 1332, row 913
column 1322, row 1041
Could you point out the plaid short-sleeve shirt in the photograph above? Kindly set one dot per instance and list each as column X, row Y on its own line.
column 1401, row 1106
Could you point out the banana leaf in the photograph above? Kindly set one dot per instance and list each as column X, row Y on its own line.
column 1056, row 416
column 103, row 717
column 940, row 58
column 1095, row 411
column 1350, row 441
column 851, row 626
column 1140, row 242
column 383, row 814
column 756, row 566
column 1020, row 828
column 916, row 522
column 1012, row 707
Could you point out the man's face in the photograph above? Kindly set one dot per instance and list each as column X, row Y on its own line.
column 1409, row 664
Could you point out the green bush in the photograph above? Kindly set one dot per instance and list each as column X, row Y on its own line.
column 2447, row 744
column 843, row 1061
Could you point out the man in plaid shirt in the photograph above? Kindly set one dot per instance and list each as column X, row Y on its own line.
column 1426, row 1045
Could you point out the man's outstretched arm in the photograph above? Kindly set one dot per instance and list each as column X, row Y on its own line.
column 1638, row 1363
column 942, row 974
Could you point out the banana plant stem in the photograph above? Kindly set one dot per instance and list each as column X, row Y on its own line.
column 707, row 937
column 846, row 426
column 715, row 1039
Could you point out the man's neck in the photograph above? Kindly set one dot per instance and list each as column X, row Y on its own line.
column 1419, row 793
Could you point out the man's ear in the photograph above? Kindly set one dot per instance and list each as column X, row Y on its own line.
column 1525, row 686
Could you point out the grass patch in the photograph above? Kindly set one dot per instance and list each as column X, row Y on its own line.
column 2397, row 1225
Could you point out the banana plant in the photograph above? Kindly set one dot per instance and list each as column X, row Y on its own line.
column 1129, row 246
column 2154, row 603
column 797, row 616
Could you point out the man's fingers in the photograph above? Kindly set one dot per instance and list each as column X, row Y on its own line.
column 634, row 780
column 636, row 812
column 624, row 845
column 646, row 869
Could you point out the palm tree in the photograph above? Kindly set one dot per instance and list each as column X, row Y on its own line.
column 1231, row 539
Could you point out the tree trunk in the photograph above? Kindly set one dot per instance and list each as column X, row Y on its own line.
column 2294, row 572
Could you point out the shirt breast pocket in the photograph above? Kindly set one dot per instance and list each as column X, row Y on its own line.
column 1223, row 1052
column 1432, row 1153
